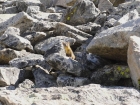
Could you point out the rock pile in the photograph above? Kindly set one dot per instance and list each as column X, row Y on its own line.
column 35, row 68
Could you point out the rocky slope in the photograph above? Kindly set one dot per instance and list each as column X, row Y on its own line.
column 103, row 34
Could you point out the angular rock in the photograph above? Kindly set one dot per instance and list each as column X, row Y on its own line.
column 133, row 56
column 20, row 20
column 9, row 75
column 8, row 54
column 47, row 44
column 82, row 12
column 48, row 3
column 86, row 95
column 10, row 10
column 111, row 75
column 127, row 17
column 33, row 9
column 52, row 17
column 66, row 3
column 113, row 42
column 90, row 61
column 28, row 60
column 71, row 81
column 90, row 28
column 43, row 78
column 35, row 37
column 12, row 39
column 22, row 5
column 104, row 5
column 68, row 65
column 56, row 9
column 70, row 31
column 26, row 84
column 117, row 2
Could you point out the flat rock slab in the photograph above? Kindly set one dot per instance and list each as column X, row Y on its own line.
column 133, row 56
column 83, row 95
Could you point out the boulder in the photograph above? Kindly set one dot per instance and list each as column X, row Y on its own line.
column 43, row 78
column 90, row 61
column 68, row 65
column 21, row 20
column 5, row 17
column 35, row 37
column 65, row 3
column 9, row 75
column 28, row 60
column 82, row 12
column 22, row 5
column 133, row 56
column 49, row 43
column 12, row 39
column 111, row 75
column 104, row 5
column 10, row 10
column 64, row 80
column 113, row 42
column 48, row 3
column 127, row 17
column 90, row 28
column 26, row 84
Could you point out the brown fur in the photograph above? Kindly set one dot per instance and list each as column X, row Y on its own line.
column 68, row 50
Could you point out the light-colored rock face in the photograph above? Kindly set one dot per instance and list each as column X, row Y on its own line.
column 113, row 42
column 133, row 56
column 8, row 75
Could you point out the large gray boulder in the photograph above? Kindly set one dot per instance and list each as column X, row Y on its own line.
column 68, row 65
column 12, row 39
column 21, row 20
column 113, row 42
column 43, row 78
column 82, row 12
column 133, row 56
column 112, row 75
column 65, row 3
column 47, row 44
column 104, row 5
column 9, row 75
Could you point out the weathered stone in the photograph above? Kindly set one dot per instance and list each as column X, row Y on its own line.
column 127, row 17
column 68, row 65
column 71, row 81
column 12, row 39
column 48, row 3
column 111, row 75
column 47, row 44
column 133, row 56
column 8, row 54
column 113, row 42
column 52, row 17
column 104, row 5
column 90, row 28
column 8, row 75
column 28, row 60
column 83, row 95
column 66, row 3
column 10, row 10
column 82, row 12
column 22, row 5
column 26, row 84
column 70, row 31
column 20, row 20
column 35, row 37
column 90, row 61
column 32, row 9
column 117, row 2
column 56, row 9
column 43, row 78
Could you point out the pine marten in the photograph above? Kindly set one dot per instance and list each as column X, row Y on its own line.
column 68, row 50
